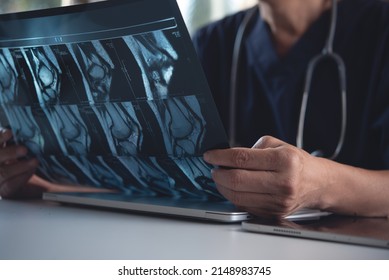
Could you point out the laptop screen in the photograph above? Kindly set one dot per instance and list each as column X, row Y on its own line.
column 110, row 95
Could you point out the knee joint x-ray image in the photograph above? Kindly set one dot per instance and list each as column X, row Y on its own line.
column 128, row 112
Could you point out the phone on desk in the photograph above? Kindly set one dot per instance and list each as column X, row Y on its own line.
column 344, row 229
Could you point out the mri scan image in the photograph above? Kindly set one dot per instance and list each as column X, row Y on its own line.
column 25, row 128
column 120, row 113
column 156, row 58
column 65, row 120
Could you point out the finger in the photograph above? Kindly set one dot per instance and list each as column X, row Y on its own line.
column 14, row 176
column 30, row 190
column 17, row 168
column 12, row 153
column 268, row 142
column 245, row 200
column 261, row 205
column 5, row 135
column 250, row 181
column 271, row 159
column 13, row 186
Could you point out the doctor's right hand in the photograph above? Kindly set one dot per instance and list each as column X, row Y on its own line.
column 15, row 171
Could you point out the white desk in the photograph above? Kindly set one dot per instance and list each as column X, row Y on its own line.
column 42, row 230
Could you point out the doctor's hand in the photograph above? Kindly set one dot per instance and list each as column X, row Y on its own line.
column 16, row 173
column 272, row 179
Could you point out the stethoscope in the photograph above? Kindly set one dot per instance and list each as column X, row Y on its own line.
column 327, row 53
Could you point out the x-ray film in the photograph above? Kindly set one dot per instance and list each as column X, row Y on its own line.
column 110, row 95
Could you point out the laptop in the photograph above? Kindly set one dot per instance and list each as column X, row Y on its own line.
column 111, row 95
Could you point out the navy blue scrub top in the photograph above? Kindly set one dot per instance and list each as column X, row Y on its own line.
column 271, row 87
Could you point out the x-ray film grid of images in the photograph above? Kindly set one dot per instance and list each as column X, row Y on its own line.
column 121, row 99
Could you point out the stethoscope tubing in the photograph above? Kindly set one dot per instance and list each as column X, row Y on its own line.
column 327, row 53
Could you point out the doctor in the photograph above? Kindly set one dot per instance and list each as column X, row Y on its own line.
column 274, row 178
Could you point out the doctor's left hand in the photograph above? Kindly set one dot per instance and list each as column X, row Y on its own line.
column 272, row 179
column 16, row 173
